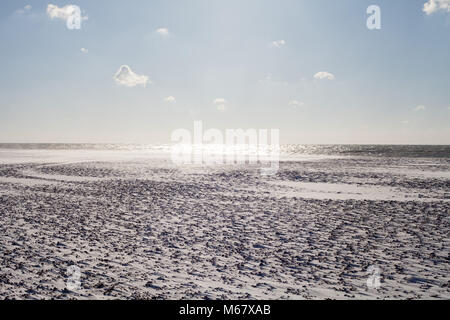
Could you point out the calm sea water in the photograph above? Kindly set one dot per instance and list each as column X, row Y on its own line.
column 411, row 151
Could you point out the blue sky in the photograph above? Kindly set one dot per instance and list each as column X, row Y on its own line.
column 232, row 64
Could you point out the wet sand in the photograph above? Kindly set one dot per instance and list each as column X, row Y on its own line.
column 146, row 229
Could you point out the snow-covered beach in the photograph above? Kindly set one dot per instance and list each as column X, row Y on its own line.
column 139, row 227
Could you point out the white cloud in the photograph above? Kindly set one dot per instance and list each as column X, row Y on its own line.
column 404, row 122
column 27, row 7
column 324, row 75
column 170, row 99
column 84, row 50
column 53, row 11
column 434, row 5
column 126, row 77
column 278, row 43
column 296, row 103
column 164, row 32
column 219, row 101
column 420, row 108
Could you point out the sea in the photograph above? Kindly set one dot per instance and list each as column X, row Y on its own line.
column 397, row 151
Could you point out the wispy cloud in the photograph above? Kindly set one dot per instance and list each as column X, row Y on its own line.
column 420, row 108
column 219, row 101
column 278, row 43
column 268, row 80
column 324, row 75
column 24, row 10
column 296, row 103
column 435, row 5
column 163, row 32
column 170, row 99
column 126, row 77
column 84, row 50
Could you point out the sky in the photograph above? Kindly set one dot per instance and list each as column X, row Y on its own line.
column 135, row 71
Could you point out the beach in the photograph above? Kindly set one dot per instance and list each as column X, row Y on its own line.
column 137, row 226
